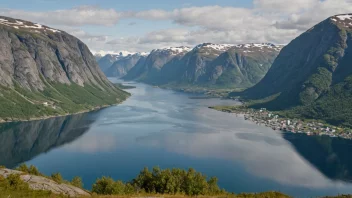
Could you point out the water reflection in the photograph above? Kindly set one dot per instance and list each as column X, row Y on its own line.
column 22, row 141
column 166, row 128
column 332, row 156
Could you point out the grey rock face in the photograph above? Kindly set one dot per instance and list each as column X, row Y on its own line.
column 42, row 183
column 106, row 61
column 154, row 62
column 31, row 54
column 207, row 65
column 123, row 65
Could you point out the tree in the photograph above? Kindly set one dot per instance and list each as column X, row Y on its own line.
column 57, row 177
column 77, row 181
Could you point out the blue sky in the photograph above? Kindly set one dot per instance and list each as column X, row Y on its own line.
column 139, row 25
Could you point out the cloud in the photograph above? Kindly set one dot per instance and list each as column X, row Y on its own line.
column 267, row 21
column 285, row 6
column 87, row 36
column 83, row 15
column 321, row 11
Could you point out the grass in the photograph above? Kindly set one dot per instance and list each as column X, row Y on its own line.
column 122, row 86
column 60, row 99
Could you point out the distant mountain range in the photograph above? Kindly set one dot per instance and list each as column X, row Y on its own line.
column 313, row 74
column 47, row 72
column 206, row 65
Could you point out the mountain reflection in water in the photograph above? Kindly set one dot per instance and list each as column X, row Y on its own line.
column 331, row 156
column 157, row 127
column 22, row 141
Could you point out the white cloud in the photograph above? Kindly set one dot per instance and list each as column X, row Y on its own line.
column 286, row 6
column 83, row 15
column 268, row 21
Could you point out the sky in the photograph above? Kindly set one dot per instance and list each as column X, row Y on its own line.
column 142, row 25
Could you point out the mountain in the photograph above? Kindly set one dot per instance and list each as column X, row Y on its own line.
column 229, row 66
column 123, row 65
column 106, row 61
column 148, row 70
column 108, row 58
column 45, row 72
column 194, row 64
column 313, row 73
column 97, row 57
column 207, row 65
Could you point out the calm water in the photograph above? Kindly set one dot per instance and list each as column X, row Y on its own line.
column 168, row 129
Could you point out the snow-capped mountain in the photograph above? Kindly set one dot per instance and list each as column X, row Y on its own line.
column 218, row 64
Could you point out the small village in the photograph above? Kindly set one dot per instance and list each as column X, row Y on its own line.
column 274, row 121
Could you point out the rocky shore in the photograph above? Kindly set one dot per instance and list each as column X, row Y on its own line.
column 42, row 183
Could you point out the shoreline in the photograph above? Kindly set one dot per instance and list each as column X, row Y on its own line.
column 63, row 115
column 271, row 120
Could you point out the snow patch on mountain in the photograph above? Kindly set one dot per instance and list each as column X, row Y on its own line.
column 344, row 17
column 343, row 20
column 24, row 24
column 173, row 50
column 259, row 46
column 218, row 47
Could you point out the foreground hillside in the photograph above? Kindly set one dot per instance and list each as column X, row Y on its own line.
column 313, row 74
column 46, row 72
column 29, row 182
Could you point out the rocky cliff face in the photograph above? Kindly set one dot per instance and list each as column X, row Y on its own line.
column 149, row 69
column 35, row 59
column 106, row 61
column 242, row 65
column 123, row 65
column 313, row 71
column 208, row 65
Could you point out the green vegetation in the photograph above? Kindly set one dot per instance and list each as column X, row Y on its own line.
column 122, row 86
column 77, row 181
column 174, row 181
column 13, row 186
column 157, row 183
column 56, row 99
column 57, row 177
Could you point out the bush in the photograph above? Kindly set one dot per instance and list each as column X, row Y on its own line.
column 174, row 181
column 22, row 168
column 33, row 170
column 15, row 182
column 77, row 181
column 57, row 177
column 104, row 186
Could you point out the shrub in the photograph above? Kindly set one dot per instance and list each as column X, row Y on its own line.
column 77, row 181
column 33, row 170
column 22, row 168
column 57, row 177
column 15, row 182
column 104, row 186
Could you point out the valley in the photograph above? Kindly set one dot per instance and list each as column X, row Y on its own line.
column 227, row 101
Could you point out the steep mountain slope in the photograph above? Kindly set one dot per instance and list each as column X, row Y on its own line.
column 149, row 70
column 313, row 71
column 45, row 71
column 220, row 66
column 97, row 57
column 123, row 65
column 241, row 66
column 106, row 61
column 195, row 62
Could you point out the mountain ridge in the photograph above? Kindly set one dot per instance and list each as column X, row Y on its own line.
column 312, row 74
column 46, row 71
